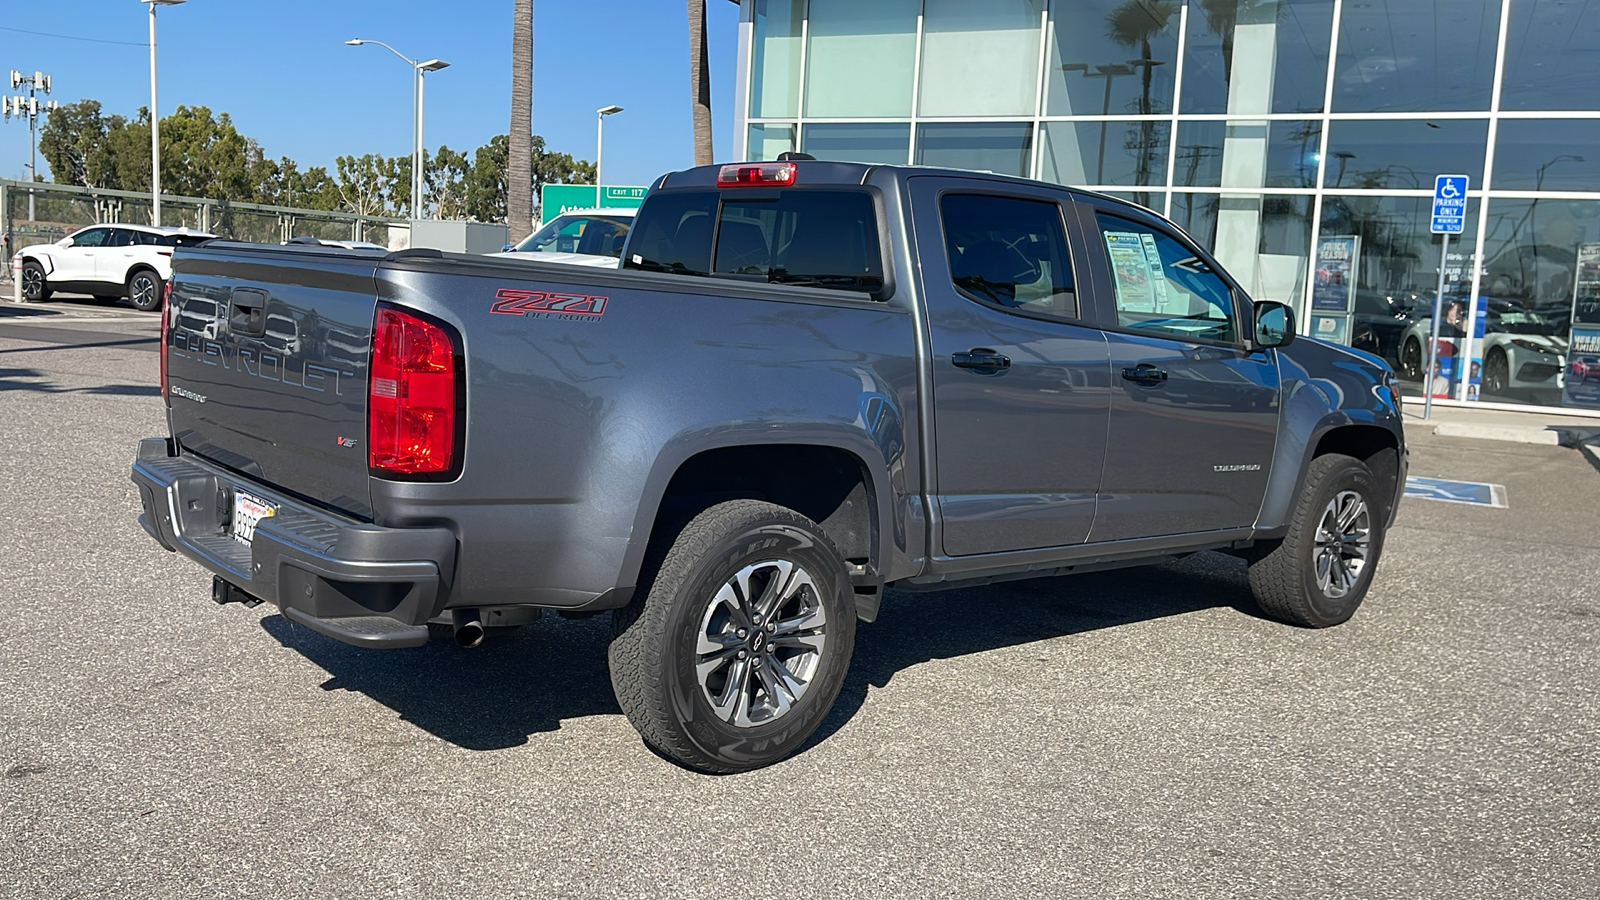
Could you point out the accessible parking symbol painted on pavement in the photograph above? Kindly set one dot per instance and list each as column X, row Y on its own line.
column 1474, row 492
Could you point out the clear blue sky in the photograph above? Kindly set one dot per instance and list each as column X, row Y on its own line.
column 282, row 71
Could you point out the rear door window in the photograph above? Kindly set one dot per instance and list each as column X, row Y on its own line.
column 811, row 238
column 1009, row 253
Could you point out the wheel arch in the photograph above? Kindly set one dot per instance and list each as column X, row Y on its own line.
column 830, row 481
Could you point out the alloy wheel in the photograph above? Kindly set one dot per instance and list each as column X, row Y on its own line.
column 760, row 642
column 142, row 293
column 1344, row 538
column 32, row 283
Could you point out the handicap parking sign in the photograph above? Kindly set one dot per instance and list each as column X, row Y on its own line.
column 1449, row 204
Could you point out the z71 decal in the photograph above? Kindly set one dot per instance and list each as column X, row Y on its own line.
column 544, row 304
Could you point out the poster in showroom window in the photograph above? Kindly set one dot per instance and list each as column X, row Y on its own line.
column 1582, row 383
column 1335, row 287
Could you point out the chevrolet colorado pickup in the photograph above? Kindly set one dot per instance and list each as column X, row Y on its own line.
column 809, row 382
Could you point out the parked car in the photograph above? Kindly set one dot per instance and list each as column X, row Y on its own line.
column 808, row 383
column 1521, row 349
column 581, row 237
column 108, row 262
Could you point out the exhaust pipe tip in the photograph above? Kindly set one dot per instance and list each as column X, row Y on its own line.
column 468, row 629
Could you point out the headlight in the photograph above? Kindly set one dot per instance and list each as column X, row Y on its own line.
column 1532, row 347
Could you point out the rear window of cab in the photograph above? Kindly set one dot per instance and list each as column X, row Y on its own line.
column 809, row 237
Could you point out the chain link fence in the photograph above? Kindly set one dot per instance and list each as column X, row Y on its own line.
column 58, row 210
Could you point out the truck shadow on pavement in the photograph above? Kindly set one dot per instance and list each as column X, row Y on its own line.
column 496, row 696
column 33, row 380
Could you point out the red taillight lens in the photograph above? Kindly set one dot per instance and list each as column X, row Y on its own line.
column 411, row 397
column 756, row 174
column 166, row 316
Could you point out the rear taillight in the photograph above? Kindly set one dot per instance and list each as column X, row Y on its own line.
column 756, row 174
column 411, row 398
column 166, row 315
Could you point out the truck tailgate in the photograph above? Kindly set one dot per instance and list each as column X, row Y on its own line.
column 267, row 355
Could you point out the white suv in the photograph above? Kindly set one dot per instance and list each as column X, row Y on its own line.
column 107, row 261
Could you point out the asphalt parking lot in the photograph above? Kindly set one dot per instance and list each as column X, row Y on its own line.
column 1139, row 733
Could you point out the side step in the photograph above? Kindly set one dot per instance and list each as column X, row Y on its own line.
column 372, row 632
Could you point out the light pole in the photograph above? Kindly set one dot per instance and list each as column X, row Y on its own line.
column 155, row 117
column 418, row 69
column 1108, row 72
column 599, row 145
column 28, row 108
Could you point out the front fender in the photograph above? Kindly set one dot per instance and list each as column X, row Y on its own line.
column 1325, row 388
column 44, row 260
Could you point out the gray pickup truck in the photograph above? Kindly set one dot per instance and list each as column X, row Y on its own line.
column 809, row 382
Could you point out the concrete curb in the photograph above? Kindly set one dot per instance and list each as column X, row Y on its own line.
column 1522, row 434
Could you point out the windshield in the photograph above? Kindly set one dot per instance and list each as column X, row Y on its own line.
column 594, row 235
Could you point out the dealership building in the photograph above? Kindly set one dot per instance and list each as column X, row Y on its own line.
column 1298, row 142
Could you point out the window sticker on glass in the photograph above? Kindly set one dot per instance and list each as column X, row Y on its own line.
column 1158, row 272
column 1134, row 273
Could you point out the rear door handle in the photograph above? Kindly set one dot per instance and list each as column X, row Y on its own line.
column 981, row 360
column 1144, row 373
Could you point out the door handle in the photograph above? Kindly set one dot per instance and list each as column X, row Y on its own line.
column 1144, row 373
column 981, row 360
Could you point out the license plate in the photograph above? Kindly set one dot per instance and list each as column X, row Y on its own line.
column 248, row 512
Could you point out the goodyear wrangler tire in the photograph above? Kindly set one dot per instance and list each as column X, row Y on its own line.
column 1319, row 573
column 739, row 645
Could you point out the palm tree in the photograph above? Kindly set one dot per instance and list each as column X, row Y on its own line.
column 1133, row 25
column 700, row 82
column 519, row 164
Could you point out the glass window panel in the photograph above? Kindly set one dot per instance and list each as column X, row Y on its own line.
column 767, row 141
column 1197, row 215
column 826, row 239
column 1541, row 301
column 1276, row 52
column 1111, row 57
column 1404, row 153
column 1552, row 55
column 1002, row 147
column 1162, row 287
column 860, row 58
column 775, row 59
column 1105, row 153
column 1395, row 269
column 1547, row 155
column 1250, row 154
column 1399, row 56
column 980, row 59
column 1009, row 253
column 887, row 143
column 1151, row 200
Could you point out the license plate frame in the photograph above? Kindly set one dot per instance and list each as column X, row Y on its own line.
column 248, row 511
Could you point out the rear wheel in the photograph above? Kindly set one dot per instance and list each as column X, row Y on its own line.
column 739, row 645
column 1411, row 361
column 1496, row 372
column 34, row 288
column 1319, row 573
column 144, row 290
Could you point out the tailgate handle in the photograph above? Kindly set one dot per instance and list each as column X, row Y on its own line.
column 247, row 312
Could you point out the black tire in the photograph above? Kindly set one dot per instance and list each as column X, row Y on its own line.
column 35, row 289
column 1411, row 361
column 656, row 640
column 1286, row 579
column 144, row 289
column 1496, row 372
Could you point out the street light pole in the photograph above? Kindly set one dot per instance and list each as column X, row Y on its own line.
column 418, row 69
column 599, row 147
column 155, row 117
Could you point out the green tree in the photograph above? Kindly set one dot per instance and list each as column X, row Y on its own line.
column 204, row 156
column 73, row 142
column 363, row 183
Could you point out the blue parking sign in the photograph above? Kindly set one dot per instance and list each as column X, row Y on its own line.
column 1449, row 204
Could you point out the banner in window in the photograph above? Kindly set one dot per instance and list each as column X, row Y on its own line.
column 1134, row 273
column 1335, row 287
column 1582, row 385
column 1333, row 329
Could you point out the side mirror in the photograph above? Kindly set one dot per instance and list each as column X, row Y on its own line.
column 1274, row 324
column 64, row 242
column 508, row 248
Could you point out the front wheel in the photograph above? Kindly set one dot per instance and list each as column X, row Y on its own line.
column 34, row 288
column 144, row 290
column 739, row 645
column 1319, row 573
column 1496, row 372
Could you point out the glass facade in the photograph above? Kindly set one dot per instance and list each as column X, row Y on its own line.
column 1298, row 141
